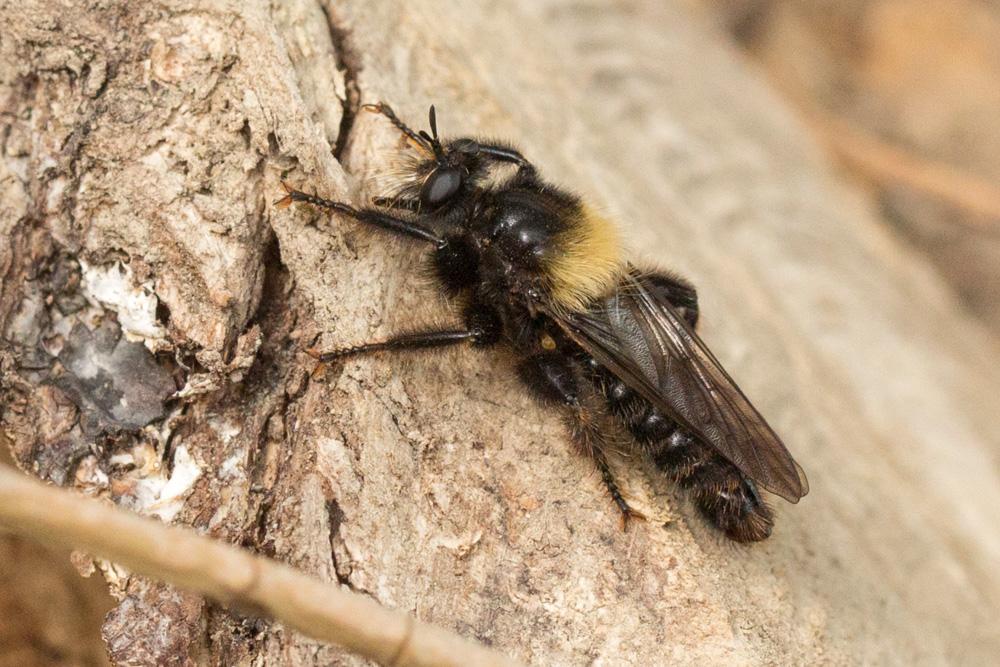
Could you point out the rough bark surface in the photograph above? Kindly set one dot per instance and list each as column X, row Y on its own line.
column 142, row 146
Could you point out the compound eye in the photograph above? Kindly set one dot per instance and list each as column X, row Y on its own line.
column 441, row 185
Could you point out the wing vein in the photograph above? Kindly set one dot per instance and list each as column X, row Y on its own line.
column 637, row 335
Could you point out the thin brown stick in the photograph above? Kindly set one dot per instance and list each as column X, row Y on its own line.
column 232, row 576
column 890, row 165
column 886, row 165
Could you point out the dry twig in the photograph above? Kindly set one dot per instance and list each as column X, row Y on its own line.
column 885, row 164
column 232, row 576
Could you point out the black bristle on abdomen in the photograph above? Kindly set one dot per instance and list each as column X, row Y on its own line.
column 723, row 494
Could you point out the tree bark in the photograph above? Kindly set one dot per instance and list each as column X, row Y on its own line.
column 155, row 308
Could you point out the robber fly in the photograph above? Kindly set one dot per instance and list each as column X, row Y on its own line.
column 614, row 346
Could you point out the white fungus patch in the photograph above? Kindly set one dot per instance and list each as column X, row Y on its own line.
column 232, row 468
column 112, row 286
column 462, row 545
column 163, row 497
column 227, row 430
column 123, row 459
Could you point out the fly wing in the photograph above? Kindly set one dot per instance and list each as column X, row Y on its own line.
column 641, row 338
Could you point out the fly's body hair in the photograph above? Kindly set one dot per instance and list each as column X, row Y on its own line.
column 589, row 261
column 533, row 268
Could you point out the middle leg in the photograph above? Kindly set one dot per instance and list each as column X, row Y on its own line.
column 482, row 328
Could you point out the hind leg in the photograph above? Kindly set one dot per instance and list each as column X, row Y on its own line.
column 556, row 378
column 678, row 292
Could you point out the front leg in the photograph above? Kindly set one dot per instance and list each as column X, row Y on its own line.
column 455, row 260
column 526, row 174
column 555, row 378
column 368, row 216
column 505, row 154
column 431, row 145
column 419, row 140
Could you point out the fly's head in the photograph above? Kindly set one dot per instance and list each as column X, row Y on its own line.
column 445, row 168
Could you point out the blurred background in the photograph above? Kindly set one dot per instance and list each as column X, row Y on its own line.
column 903, row 94
column 49, row 614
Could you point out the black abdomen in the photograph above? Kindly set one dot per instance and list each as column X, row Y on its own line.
column 723, row 494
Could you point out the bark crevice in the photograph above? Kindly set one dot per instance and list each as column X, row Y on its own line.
column 349, row 64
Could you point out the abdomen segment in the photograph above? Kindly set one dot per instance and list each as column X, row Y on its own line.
column 723, row 494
